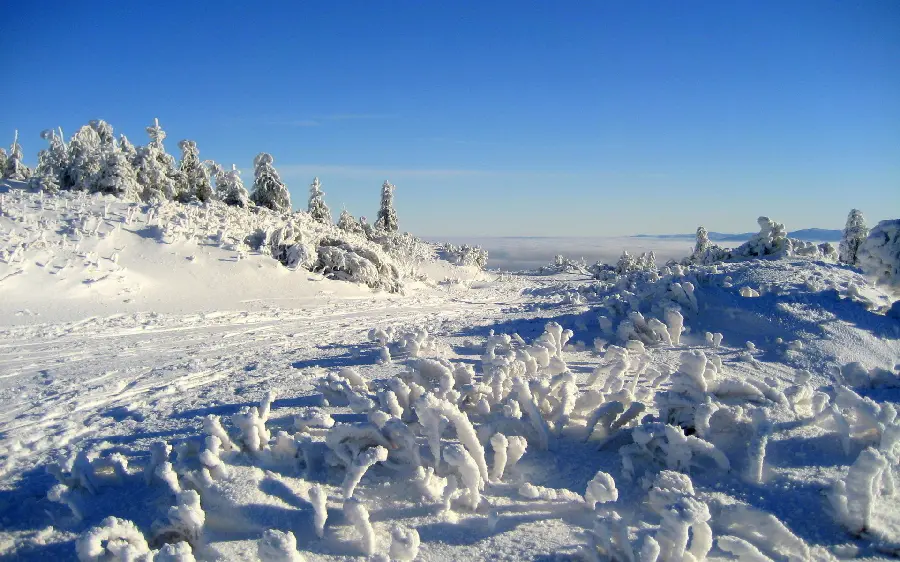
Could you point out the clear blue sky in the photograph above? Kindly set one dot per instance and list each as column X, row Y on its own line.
column 496, row 118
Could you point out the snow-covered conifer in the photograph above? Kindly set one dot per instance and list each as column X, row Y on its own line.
column 702, row 244
column 855, row 233
column 104, row 131
column 317, row 207
column 15, row 169
column 349, row 224
column 233, row 191
column 155, row 168
column 117, row 176
column 127, row 149
column 192, row 182
column 879, row 254
column 268, row 189
column 3, row 160
column 84, row 161
column 387, row 216
column 52, row 163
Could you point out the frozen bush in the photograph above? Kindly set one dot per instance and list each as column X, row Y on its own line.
column 358, row 515
column 854, row 234
column 404, row 543
column 853, row 498
column 278, row 546
column 879, row 255
column 114, row 539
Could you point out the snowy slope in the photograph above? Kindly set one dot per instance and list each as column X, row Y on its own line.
column 104, row 361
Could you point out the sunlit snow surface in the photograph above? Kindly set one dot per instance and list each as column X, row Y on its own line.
column 115, row 356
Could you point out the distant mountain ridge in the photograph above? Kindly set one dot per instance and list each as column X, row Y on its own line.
column 807, row 234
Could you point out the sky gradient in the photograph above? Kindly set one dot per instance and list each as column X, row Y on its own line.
column 496, row 118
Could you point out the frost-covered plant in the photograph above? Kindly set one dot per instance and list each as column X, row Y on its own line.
column 347, row 223
column 387, row 216
column 464, row 255
column 358, row 515
column 52, row 161
column 268, row 189
column 278, row 546
column 84, row 161
column 113, row 539
column 363, row 461
column 317, row 208
column 404, row 543
column 854, row 234
column 193, row 183
column 117, row 176
column 879, row 255
column 15, row 169
column 230, row 188
column 104, row 133
column 853, row 498
column 356, row 263
column 184, row 522
column 669, row 446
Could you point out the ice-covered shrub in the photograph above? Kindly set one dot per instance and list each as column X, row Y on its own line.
column 347, row 262
column 278, row 546
column 854, row 234
column 853, row 498
column 464, row 255
column 879, row 255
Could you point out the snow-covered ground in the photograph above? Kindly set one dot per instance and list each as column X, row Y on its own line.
column 223, row 403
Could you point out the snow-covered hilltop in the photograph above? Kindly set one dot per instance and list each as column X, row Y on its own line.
column 203, row 374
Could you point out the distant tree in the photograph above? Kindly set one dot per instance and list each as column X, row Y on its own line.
column 317, row 207
column 3, row 160
column 648, row 261
column 702, row 243
column 855, row 233
column 231, row 189
column 268, row 189
column 387, row 216
column 347, row 223
column 192, row 181
column 117, row 175
column 84, row 161
column 53, row 162
column 15, row 169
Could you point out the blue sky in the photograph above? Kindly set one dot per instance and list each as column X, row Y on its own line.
column 496, row 118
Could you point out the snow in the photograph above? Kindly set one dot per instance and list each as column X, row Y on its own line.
column 158, row 407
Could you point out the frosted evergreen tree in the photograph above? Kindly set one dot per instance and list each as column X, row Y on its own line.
column 127, row 149
column 347, row 223
column 387, row 216
column 117, row 175
column 53, row 162
column 268, row 189
column 231, row 190
column 317, row 207
column 104, row 131
column 84, row 161
column 15, row 169
column 3, row 159
column 702, row 243
column 43, row 181
column 193, row 179
column 155, row 168
column 855, row 233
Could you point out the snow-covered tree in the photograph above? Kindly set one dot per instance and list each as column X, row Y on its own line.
column 117, row 175
column 15, row 169
column 127, row 149
column 347, row 223
column 193, row 178
column 317, row 207
column 387, row 216
column 231, row 188
column 84, row 161
column 879, row 254
column 268, row 189
column 702, row 244
column 3, row 159
column 52, row 162
column 855, row 233
column 155, row 168
column 104, row 131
